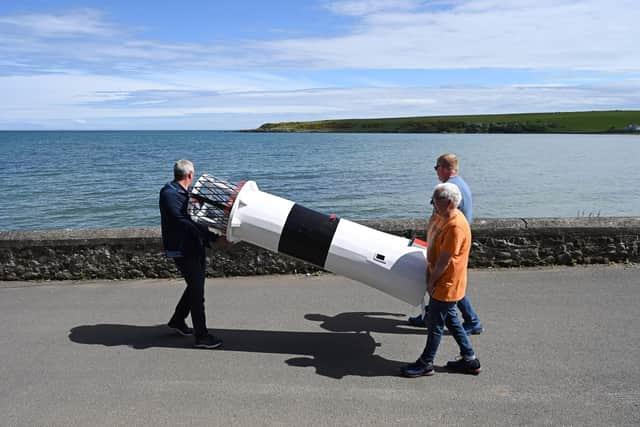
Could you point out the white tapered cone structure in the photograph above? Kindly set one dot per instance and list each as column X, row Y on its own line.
column 391, row 264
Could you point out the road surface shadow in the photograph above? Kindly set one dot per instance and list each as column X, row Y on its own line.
column 333, row 355
column 363, row 321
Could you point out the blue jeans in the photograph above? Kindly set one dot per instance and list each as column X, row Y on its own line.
column 469, row 315
column 470, row 319
column 443, row 313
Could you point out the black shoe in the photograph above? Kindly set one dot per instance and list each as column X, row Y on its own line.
column 181, row 328
column 418, row 369
column 417, row 321
column 208, row 341
column 466, row 366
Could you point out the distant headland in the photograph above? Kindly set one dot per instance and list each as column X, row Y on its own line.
column 617, row 121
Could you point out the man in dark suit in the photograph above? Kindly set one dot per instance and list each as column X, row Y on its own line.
column 185, row 240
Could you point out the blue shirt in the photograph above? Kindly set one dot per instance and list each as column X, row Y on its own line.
column 466, row 204
column 180, row 235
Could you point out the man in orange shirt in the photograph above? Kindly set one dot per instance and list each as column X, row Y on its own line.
column 449, row 243
column 447, row 169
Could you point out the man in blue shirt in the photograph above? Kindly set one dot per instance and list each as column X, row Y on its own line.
column 184, row 240
column 447, row 169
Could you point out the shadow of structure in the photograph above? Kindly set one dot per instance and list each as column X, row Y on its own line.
column 361, row 321
column 334, row 355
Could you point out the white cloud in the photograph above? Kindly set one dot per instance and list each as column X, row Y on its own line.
column 77, row 23
column 55, row 102
column 73, row 69
column 366, row 7
column 56, row 95
column 573, row 34
column 401, row 34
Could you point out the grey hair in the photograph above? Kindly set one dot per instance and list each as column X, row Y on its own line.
column 449, row 191
column 182, row 168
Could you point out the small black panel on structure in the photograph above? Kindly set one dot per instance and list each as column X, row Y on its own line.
column 307, row 235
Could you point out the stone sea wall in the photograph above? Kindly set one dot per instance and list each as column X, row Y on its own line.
column 137, row 252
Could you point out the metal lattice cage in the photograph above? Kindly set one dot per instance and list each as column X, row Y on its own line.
column 210, row 202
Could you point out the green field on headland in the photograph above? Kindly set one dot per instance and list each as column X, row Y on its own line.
column 561, row 122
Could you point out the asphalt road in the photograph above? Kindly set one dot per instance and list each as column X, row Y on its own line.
column 561, row 347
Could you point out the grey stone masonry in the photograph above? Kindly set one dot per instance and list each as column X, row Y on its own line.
column 137, row 252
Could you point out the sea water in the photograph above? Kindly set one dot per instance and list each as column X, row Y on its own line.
column 60, row 180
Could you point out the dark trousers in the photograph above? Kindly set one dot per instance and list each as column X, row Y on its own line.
column 193, row 269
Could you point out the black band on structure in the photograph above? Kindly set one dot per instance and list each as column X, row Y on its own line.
column 307, row 235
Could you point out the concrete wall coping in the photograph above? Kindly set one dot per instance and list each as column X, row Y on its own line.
column 78, row 236
column 109, row 235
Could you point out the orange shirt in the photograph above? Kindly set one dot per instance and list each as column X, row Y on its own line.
column 452, row 235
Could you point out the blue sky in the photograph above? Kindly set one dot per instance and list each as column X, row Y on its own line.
column 237, row 64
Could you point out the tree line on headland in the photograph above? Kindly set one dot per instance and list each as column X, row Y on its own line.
column 618, row 121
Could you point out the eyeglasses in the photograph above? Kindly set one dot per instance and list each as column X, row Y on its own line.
column 436, row 167
column 438, row 197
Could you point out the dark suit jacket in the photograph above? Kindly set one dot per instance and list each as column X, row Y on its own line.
column 180, row 235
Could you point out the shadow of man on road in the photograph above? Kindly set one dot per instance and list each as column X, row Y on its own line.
column 333, row 355
column 368, row 322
